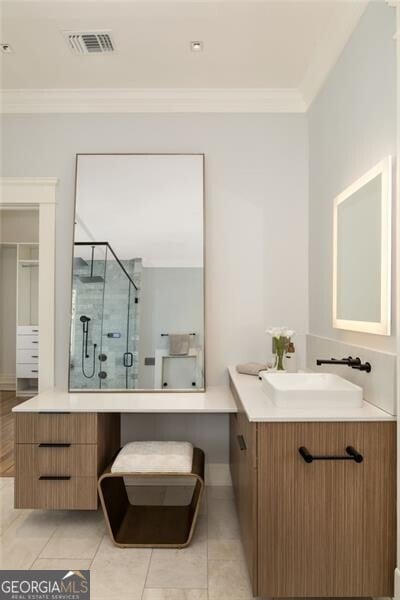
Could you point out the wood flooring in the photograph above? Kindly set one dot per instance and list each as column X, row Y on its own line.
column 7, row 401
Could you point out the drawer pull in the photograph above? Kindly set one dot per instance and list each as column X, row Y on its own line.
column 34, row 342
column 352, row 454
column 55, row 477
column 34, row 370
column 35, row 356
column 56, row 445
column 242, row 443
column 53, row 412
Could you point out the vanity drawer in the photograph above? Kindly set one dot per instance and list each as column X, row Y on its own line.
column 29, row 342
column 28, row 356
column 44, row 459
column 36, row 428
column 27, row 329
column 24, row 371
column 63, row 494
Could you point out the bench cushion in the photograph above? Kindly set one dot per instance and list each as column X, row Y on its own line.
column 154, row 457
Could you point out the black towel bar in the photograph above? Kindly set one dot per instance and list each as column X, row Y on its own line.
column 167, row 334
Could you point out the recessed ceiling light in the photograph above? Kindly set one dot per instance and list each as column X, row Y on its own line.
column 6, row 48
column 196, row 46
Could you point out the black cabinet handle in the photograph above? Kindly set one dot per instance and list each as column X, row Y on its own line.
column 352, row 454
column 57, row 445
column 34, row 342
column 34, row 370
column 242, row 443
column 55, row 477
column 53, row 412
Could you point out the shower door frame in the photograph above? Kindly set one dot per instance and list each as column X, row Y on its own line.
column 203, row 182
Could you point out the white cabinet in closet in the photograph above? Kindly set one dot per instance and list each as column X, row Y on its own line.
column 27, row 355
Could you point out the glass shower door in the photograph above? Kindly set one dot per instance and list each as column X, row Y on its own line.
column 88, row 277
column 112, row 374
column 117, row 355
column 104, row 319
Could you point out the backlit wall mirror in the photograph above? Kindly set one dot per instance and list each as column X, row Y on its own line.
column 138, row 273
column 362, row 253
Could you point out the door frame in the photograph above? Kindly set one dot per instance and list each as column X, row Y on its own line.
column 39, row 192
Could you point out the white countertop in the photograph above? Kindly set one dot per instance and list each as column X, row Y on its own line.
column 259, row 407
column 214, row 400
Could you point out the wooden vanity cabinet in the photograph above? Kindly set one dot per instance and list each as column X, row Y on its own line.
column 244, row 478
column 59, row 456
column 320, row 529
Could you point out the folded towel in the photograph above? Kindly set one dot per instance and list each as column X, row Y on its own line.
column 154, row 457
column 252, row 368
column 179, row 344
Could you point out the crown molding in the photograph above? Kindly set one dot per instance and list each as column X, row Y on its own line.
column 30, row 181
column 329, row 50
column 258, row 100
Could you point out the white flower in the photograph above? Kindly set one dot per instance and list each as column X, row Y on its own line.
column 278, row 332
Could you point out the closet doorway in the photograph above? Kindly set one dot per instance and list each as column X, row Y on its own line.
column 27, row 219
column 19, row 319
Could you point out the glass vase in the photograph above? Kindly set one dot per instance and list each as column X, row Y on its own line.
column 280, row 350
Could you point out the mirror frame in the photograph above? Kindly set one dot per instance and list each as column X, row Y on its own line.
column 142, row 390
column 382, row 327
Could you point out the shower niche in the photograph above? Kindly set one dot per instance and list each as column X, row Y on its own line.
column 137, row 311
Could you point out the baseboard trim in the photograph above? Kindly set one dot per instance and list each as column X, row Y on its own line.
column 218, row 474
column 7, row 383
column 397, row 583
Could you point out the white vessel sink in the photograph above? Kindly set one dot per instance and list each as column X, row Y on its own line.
column 311, row 390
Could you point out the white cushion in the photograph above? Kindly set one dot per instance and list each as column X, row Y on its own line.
column 154, row 457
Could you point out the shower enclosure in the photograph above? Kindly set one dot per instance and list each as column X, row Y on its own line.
column 104, row 329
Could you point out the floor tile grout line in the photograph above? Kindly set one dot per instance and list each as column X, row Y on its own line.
column 97, row 550
column 147, row 573
column 48, row 541
column 38, row 555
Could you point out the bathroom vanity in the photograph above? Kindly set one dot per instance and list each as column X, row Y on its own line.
column 64, row 441
column 324, row 528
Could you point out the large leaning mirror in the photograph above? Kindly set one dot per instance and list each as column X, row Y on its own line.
column 138, row 273
column 362, row 253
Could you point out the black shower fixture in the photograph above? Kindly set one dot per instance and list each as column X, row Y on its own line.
column 91, row 278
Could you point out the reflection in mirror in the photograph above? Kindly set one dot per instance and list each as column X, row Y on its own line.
column 138, row 273
column 362, row 248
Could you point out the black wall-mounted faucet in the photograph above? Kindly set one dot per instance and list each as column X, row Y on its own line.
column 354, row 363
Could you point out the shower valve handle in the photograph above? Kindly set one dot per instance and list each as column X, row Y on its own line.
column 128, row 359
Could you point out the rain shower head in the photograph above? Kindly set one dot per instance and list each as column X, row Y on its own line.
column 79, row 262
column 91, row 278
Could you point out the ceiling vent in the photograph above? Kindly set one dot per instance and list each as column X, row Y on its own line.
column 89, row 42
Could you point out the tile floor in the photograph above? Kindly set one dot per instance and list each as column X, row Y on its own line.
column 211, row 568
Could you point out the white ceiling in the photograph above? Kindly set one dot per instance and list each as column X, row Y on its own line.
column 257, row 50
